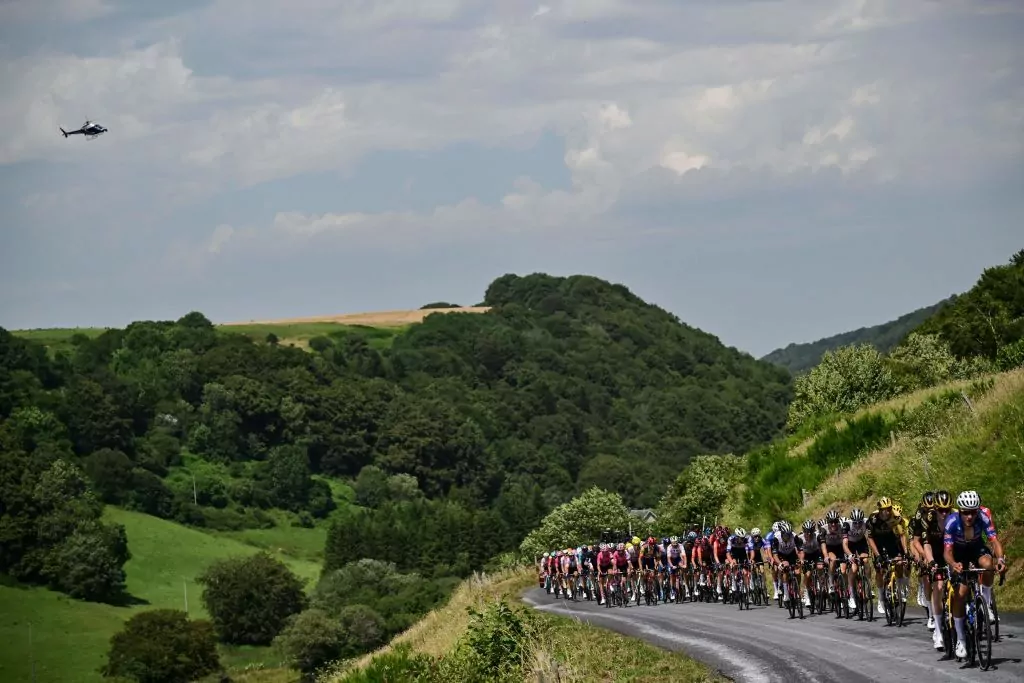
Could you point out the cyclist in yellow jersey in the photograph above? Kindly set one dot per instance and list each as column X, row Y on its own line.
column 887, row 535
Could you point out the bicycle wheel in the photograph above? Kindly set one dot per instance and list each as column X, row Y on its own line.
column 994, row 614
column 948, row 633
column 868, row 604
column 982, row 634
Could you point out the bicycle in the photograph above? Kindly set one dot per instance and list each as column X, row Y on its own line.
column 977, row 620
column 840, row 595
column 894, row 601
column 794, row 603
column 862, row 592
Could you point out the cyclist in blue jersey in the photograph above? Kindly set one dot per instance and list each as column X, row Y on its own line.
column 964, row 543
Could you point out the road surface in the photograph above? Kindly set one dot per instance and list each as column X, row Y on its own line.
column 763, row 645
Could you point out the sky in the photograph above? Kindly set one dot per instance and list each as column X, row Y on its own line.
column 770, row 171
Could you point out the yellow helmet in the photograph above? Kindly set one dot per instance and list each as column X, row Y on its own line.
column 884, row 502
column 636, row 540
column 629, row 546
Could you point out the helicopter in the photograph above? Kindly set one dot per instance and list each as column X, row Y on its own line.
column 89, row 130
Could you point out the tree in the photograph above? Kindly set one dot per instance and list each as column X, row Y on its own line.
column 924, row 360
column 89, row 564
column 581, row 520
column 846, row 379
column 249, row 599
column 699, row 491
column 310, row 640
column 162, row 646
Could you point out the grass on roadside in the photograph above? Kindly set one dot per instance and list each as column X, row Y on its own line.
column 560, row 648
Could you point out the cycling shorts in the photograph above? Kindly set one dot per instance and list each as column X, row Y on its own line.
column 813, row 555
column 647, row 562
column 788, row 557
column 675, row 561
column 738, row 554
column 836, row 550
column 970, row 553
column 604, row 568
column 859, row 547
column 889, row 545
column 938, row 552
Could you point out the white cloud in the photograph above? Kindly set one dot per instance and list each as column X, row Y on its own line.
column 240, row 93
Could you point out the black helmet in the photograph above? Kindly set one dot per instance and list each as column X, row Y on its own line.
column 832, row 516
column 928, row 500
column 943, row 500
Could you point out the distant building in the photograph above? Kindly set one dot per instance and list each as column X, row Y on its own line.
column 646, row 514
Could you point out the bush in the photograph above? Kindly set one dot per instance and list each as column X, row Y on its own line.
column 846, row 379
column 250, row 598
column 399, row 664
column 699, row 491
column 162, row 646
column 310, row 640
column 580, row 520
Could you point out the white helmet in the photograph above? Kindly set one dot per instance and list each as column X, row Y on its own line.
column 756, row 531
column 775, row 527
column 741, row 532
column 545, row 555
column 968, row 500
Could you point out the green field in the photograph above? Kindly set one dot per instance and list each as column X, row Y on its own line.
column 300, row 333
column 69, row 638
column 296, row 334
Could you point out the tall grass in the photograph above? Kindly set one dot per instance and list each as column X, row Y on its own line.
column 953, row 448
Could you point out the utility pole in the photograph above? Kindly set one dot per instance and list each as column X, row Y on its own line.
column 184, row 585
column 31, row 653
column 195, row 499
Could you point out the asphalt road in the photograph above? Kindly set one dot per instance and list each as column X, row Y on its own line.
column 764, row 645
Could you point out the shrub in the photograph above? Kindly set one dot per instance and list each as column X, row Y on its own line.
column 310, row 640
column 250, row 598
column 580, row 520
column 846, row 379
column 162, row 646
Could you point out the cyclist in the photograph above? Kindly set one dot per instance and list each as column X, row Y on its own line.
column 887, row 537
column 810, row 552
column 831, row 541
column 759, row 549
column 964, row 543
column 603, row 566
column 649, row 561
column 916, row 527
column 855, row 544
column 737, row 554
column 719, row 550
column 621, row 561
column 785, row 549
column 987, row 590
column 931, row 542
column 676, row 561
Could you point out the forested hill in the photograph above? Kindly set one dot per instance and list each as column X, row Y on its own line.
column 798, row 358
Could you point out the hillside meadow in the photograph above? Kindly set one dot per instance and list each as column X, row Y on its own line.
column 69, row 638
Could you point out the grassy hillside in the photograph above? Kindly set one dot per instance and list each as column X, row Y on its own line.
column 930, row 439
column 69, row 638
column 798, row 358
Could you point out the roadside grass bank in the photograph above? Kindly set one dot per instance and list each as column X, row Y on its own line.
column 486, row 633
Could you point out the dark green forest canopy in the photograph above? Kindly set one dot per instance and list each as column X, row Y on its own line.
column 798, row 358
column 563, row 384
column 987, row 318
